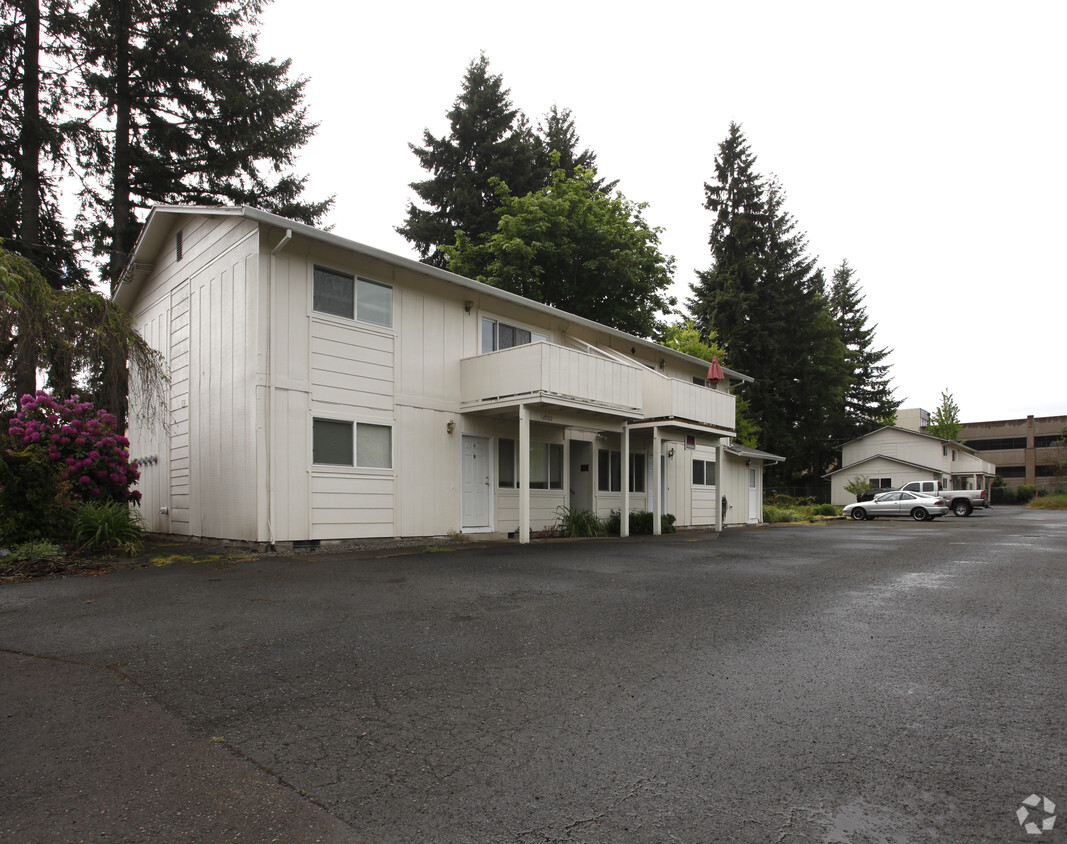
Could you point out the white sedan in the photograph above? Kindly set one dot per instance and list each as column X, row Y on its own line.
column 919, row 507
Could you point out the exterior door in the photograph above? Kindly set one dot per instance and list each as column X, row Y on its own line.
column 477, row 483
column 581, row 475
column 753, row 495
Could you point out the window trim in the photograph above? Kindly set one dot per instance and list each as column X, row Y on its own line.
column 536, row 336
column 550, row 448
column 354, row 425
column 614, row 467
column 355, row 281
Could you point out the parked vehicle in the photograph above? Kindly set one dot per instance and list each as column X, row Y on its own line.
column 960, row 501
column 898, row 503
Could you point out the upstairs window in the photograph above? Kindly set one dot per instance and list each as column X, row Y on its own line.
column 347, row 296
column 500, row 335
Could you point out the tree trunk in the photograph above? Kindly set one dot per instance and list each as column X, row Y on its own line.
column 30, row 137
column 120, row 178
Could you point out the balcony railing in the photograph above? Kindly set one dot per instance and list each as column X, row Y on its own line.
column 543, row 370
column 673, row 398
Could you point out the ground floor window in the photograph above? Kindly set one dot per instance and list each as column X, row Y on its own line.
column 881, row 483
column 546, row 465
column 703, row 473
column 361, row 444
column 609, row 471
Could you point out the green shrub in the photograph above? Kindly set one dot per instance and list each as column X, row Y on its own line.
column 640, row 523
column 772, row 515
column 1002, row 495
column 34, row 501
column 1025, row 493
column 824, row 510
column 110, row 526
column 575, row 523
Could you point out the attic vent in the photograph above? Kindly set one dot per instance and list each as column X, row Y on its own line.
column 178, row 246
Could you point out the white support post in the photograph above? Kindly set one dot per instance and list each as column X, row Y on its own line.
column 624, row 517
column 657, row 485
column 718, row 486
column 524, row 475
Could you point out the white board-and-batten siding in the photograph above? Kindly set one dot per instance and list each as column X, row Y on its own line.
column 193, row 311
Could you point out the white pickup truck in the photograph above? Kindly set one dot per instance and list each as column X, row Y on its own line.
column 960, row 501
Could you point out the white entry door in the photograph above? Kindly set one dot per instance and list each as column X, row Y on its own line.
column 754, row 509
column 477, row 482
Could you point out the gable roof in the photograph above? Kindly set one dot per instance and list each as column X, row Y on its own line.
column 157, row 228
column 953, row 443
column 851, row 466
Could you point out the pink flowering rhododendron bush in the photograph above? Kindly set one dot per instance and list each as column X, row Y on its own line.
column 55, row 457
column 82, row 443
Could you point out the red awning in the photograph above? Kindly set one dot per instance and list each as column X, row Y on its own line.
column 715, row 373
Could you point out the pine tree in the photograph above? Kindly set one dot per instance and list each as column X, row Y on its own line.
column 191, row 115
column 869, row 401
column 559, row 134
column 36, row 135
column 765, row 298
column 489, row 140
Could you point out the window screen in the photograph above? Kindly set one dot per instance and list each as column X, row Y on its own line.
column 374, row 303
column 374, row 446
column 334, row 293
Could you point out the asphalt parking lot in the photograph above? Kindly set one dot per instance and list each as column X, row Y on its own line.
column 877, row 681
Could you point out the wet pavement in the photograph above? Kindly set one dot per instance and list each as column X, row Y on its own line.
column 849, row 682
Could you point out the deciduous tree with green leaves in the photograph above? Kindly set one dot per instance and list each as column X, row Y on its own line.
column 945, row 420
column 572, row 247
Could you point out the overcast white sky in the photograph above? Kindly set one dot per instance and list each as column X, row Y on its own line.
column 924, row 142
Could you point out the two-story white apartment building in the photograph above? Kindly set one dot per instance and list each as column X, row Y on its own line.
column 893, row 456
column 320, row 389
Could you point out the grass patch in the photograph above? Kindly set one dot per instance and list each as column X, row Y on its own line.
column 1057, row 501
column 787, row 509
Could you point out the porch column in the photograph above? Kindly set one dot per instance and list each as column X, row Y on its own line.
column 719, row 452
column 624, row 469
column 657, row 484
column 524, row 475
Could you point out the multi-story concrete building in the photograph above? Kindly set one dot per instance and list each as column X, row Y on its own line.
column 1025, row 451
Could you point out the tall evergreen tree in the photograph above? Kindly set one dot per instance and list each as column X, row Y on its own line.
column 36, row 135
column 488, row 140
column 559, row 134
column 188, row 113
column 869, row 401
column 765, row 298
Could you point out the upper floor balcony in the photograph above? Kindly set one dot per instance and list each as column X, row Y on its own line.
column 673, row 398
column 553, row 374
column 550, row 374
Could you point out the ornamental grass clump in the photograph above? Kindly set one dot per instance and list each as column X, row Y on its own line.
column 111, row 526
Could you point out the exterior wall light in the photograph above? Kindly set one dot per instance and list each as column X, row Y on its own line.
column 451, row 426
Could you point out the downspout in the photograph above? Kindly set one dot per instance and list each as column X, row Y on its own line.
column 268, row 427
